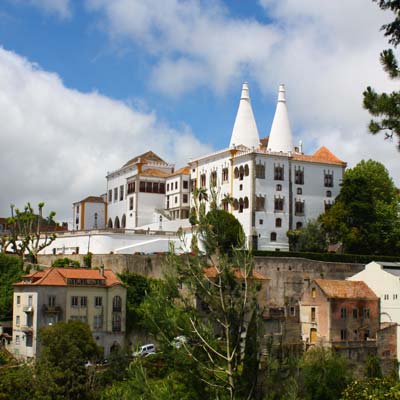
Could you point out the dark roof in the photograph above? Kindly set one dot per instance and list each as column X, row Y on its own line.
column 145, row 158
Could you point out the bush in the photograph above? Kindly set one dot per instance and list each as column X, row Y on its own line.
column 65, row 263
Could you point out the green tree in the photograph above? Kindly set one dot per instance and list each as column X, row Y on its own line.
column 372, row 389
column 365, row 216
column 309, row 238
column 60, row 369
column 17, row 383
column 65, row 262
column 29, row 231
column 385, row 107
column 324, row 374
column 11, row 271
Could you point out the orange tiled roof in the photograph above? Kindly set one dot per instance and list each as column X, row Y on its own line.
column 92, row 199
column 58, row 277
column 211, row 272
column 145, row 158
column 154, row 172
column 340, row 289
column 181, row 171
column 322, row 155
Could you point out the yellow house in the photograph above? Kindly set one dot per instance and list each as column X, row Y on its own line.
column 96, row 297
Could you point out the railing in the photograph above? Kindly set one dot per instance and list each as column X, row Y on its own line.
column 51, row 309
column 27, row 309
column 27, row 329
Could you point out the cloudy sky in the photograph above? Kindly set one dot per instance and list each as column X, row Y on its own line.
column 85, row 85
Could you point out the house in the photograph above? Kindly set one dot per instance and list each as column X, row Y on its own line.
column 340, row 314
column 90, row 213
column 177, row 196
column 93, row 296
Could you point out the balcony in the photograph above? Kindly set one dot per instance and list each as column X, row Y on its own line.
column 27, row 329
column 27, row 309
column 51, row 309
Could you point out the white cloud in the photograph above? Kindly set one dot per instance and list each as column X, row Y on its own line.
column 326, row 52
column 57, row 144
column 60, row 8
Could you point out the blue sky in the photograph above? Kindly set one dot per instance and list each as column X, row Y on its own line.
column 86, row 85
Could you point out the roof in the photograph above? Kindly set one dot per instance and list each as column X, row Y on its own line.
column 212, row 273
column 92, row 199
column 264, row 141
column 322, row 155
column 154, row 172
column 280, row 137
column 245, row 130
column 181, row 171
column 340, row 289
column 58, row 277
column 145, row 158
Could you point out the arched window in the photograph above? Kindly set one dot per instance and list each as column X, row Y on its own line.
column 116, row 223
column 278, row 187
column 246, row 170
column 246, row 202
column 299, row 225
column 241, row 172
column 235, row 204
column 123, row 221
column 236, row 172
column 328, row 193
column 117, row 304
column 273, row 236
column 110, row 224
column 241, row 205
column 116, row 323
column 278, row 222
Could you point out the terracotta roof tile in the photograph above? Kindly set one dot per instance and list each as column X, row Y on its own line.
column 211, row 272
column 92, row 199
column 145, row 158
column 58, row 277
column 181, row 171
column 154, row 172
column 322, row 155
column 341, row 289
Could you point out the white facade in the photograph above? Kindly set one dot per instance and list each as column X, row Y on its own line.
column 89, row 213
column 177, row 195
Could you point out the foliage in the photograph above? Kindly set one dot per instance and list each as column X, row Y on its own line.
column 138, row 288
column 87, row 260
column 365, row 216
column 28, row 234
column 324, row 374
column 384, row 106
column 310, row 238
column 17, row 383
column 117, row 368
column 65, row 263
column 372, row 389
column 11, row 271
column 60, row 369
column 373, row 367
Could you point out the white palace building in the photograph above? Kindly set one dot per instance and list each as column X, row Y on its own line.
column 271, row 184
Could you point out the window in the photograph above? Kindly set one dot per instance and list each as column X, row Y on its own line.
column 17, row 320
column 185, row 198
column 328, row 204
column 278, row 222
column 176, row 184
column 176, row 199
column 366, row 334
column 77, row 209
column 142, row 186
column 395, row 297
column 240, row 187
column 29, row 320
column 299, row 225
column 18, row 300
column 30, row 301
column 51, row 301
column 292, row 311
column 117, row 304
column 328, row 193
column 246, row 202
column 225, row 174
column 279, row 203
column 98, row 301
column 313, row 292
column 121, row 193
column 74, row 301
column 246, row 170
column 299, row 207
column 193, row 184
column 260, row 203
column 17, row 340
column 241, row 205
column 213, row 179
column 343, row 313
column 97, row 321
column 115, row 194
column 131, row 187
column 241, row 173
column 161, row 188
column 343, row 334
column 131, row 203
column 156, row 188
column 299, row 176
column 355, row 313
column 167, row 187
column 312, row 314
column 185, row 184
column 278, row 173
column 328, row 178
column 116, row 323
column 28, row 340
column 236, row 173
column 110, row 196
column 261, row 221
column 278, row 187
column 385, row 297
column 366, row 313
column 83, row 301
column 260, row 171
column 149, row 187
column 273, row 236
column 203, row 180
column 355, row 334
column 299, row 191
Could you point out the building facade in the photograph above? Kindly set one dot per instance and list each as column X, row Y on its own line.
column 44, row 298
column 89, row 213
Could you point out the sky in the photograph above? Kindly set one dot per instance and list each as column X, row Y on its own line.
column 85, row 85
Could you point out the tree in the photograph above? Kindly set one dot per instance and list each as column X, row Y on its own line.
column 365, row 216
column 17, row 382
column 309, row 238
column 383, row 106
column 29, row 231
column 372, row 389
column 60, row 369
